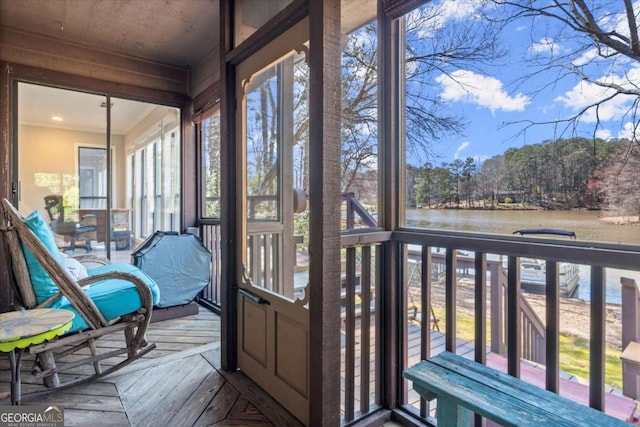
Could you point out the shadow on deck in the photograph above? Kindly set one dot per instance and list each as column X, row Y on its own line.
column 573, row 388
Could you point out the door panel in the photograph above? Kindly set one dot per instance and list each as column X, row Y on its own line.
column 273, row 318
column 254, row 334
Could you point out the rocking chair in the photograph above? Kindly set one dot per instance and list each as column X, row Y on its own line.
column 114, row 297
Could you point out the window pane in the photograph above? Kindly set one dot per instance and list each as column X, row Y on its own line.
column 151, row 157
column 360, row 128
column 62, row 156
column 263, row 144
column 92, row 177
column 210, row 129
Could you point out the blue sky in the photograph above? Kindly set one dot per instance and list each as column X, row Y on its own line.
column 490, row 100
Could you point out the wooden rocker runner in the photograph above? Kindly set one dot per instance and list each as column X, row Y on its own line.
column 112, row 298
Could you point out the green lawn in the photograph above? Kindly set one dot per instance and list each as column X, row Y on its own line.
column 574, row 351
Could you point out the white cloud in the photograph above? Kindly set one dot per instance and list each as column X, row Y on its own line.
column 545, row 45
column 460, row 9
column 618, row 22
column 613, row 22
column 628, row 131
column 585, row 94
column 485, row 91
column 461, row 148
column 604, row 134
column 446, row 11
column 587, row 57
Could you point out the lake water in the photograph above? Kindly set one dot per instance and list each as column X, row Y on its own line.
column 587, row 225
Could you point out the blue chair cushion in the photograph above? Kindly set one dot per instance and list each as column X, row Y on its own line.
column 113, row 297
column 43, row 285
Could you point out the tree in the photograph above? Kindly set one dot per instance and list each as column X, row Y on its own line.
column 433, row 49
column 212, row 166
column 492, row 175
column 595, row 44
column 622, row 180
column 468, row 174
column 359, row 106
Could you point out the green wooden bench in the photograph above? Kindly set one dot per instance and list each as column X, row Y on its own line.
column 464, row 387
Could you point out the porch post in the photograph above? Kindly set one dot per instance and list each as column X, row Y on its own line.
column 324, row 198
column 6, row 177
column 391, row 201
column 229, row 229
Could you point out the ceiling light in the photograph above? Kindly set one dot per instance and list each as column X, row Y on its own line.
column 56, row 118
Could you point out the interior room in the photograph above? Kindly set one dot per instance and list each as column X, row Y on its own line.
column 371, row 240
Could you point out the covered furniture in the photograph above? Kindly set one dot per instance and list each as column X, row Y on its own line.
column 71, row 229
column 180, row 265
column 111, row 298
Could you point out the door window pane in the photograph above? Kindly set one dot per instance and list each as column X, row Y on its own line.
column 276, row 175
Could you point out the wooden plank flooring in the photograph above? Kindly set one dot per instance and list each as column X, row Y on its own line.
column 179, row 383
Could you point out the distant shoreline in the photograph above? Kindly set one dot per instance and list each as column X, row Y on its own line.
column 622, row 220
column 633, row 220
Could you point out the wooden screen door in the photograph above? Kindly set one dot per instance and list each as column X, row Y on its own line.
column 273, row 317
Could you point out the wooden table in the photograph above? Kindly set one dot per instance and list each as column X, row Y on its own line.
column 20, row 329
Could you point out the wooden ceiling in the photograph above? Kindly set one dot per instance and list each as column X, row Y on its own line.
column 175, row 32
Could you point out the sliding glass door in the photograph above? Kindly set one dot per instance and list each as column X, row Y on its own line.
column 109, row 162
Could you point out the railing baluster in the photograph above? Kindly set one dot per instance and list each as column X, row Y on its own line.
column 496, row 273
column 350, row 335
column 596, row 346
column 379, row 318
column 425, row 301
column 480, row 294
column 425, row 295
column 514, row 332
column 480, row 308
column 450, row 300
column 365, row 327
column 552, row 342
column 210, row 237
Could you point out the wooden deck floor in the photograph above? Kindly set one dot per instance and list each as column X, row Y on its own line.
column 179, row 383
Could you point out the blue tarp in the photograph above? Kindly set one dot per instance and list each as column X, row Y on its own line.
column 179, row 263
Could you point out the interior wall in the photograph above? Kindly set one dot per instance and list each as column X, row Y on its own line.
column 48, row 163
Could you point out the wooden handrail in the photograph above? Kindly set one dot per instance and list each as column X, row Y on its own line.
column 533, row 328
column 354, row 207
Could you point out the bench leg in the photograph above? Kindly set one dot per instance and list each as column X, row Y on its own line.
column 450, row 414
